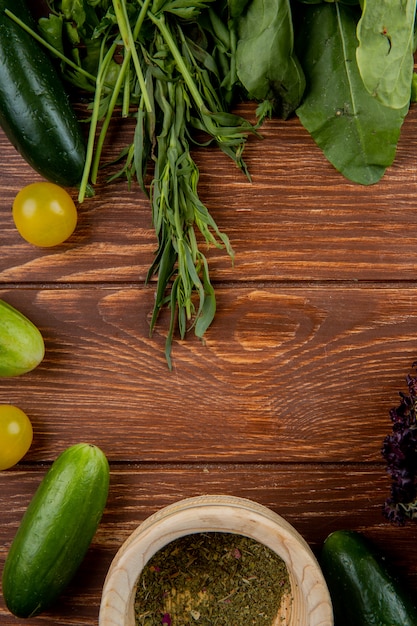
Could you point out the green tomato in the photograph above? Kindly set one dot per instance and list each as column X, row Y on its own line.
column 44, row 214
column 16, row 435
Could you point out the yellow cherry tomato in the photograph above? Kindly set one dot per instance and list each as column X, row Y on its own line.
column 44, row 214
column 16, row 435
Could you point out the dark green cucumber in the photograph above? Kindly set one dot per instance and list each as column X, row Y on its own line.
column 22, row 347
column 35, row 112
column 363, row 590
column 56, row 530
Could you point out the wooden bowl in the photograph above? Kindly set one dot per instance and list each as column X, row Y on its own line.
column 309, row 602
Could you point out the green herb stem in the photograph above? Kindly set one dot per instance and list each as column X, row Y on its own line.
column 106, row 122
column 166, row 33
column 130, row 46
column 103, row 67
column 122, row 80
column 126, row 93
column 48, row 46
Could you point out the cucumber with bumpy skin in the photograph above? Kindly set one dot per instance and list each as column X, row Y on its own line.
column 363, row 590
column 35, row 112
column 56, row 530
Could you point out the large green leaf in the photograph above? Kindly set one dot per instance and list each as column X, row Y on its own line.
column 385, row 52
column 357, row 133
column 265, row 61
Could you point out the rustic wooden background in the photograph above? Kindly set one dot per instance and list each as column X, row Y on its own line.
column 286, row 401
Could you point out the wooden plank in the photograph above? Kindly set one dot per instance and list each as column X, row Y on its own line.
column 316, row 499
column 298, row 220
column 286, row 401
column 285, row 374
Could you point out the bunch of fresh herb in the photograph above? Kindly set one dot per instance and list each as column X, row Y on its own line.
column 400, row 453
column 174, row 66
column 178, row 67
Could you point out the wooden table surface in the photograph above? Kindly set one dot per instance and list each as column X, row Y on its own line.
column 286, row 401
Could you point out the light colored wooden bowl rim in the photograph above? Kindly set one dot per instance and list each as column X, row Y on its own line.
column 310, row 603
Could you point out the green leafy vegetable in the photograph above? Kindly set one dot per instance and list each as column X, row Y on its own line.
column 399, row 450
column 179, row 67
column 175, row 76
column 266, row 63
column 385, row 52
column 356, row 132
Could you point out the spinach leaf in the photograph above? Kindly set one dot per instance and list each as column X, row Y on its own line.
column 357, row 133
column 351, row 2
column 265, row 61
column 385, row 52
column 74, row 9
column 51, row 29
column 237, row 7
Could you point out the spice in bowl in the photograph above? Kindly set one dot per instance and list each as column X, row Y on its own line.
column 210, row 578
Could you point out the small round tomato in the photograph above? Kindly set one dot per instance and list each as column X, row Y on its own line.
column 44, row 214
column 16, row 435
